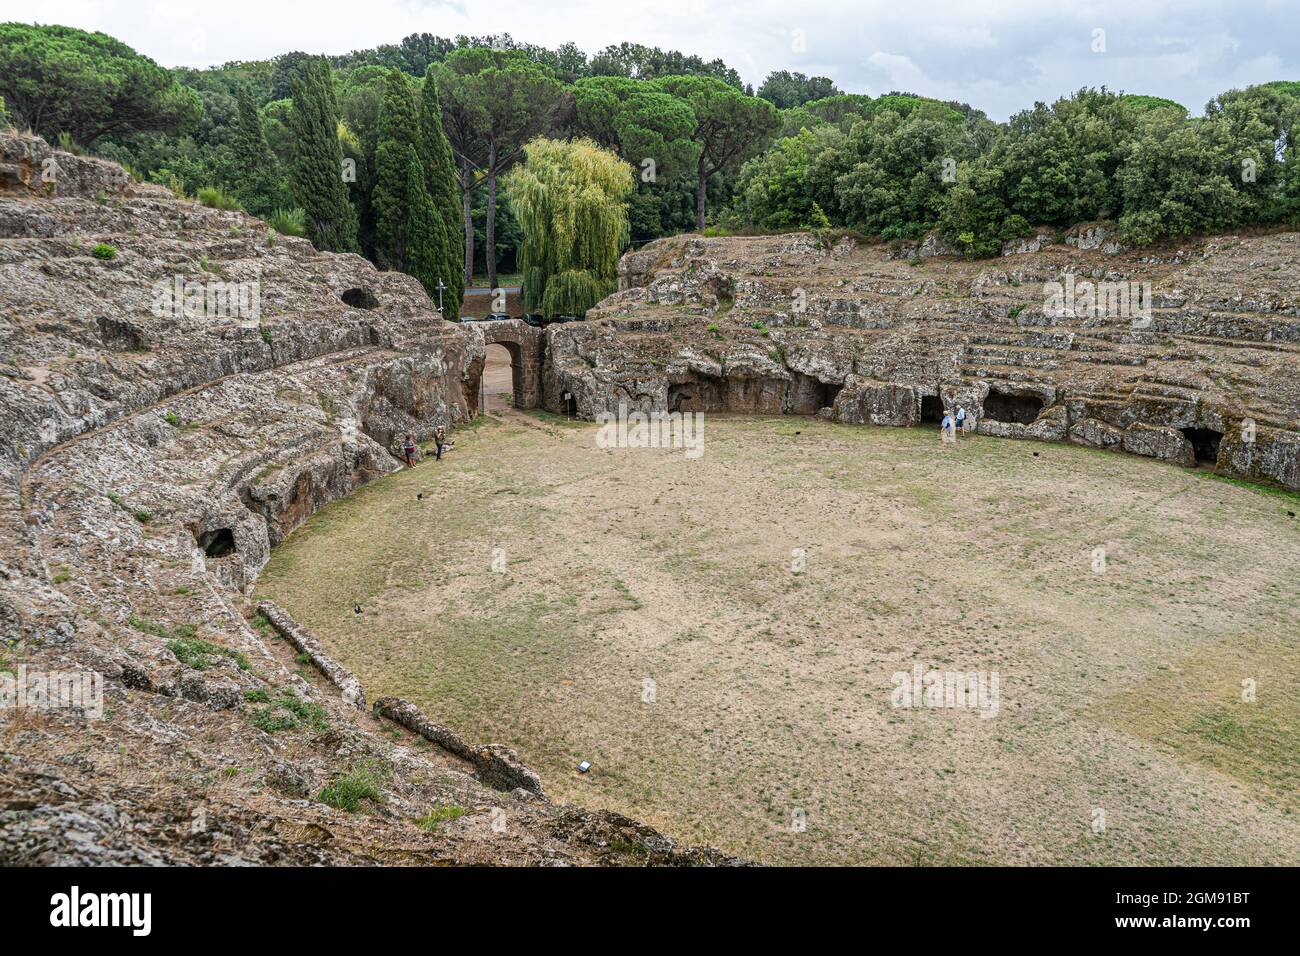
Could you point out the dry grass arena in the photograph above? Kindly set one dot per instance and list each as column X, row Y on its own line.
column 648, row 619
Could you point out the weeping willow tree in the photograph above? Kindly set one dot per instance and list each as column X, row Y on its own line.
column 571, row 200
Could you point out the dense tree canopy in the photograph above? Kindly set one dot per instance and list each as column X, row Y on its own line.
column 444, row 189
column 638, row 122
column 786, row 90
column 402, row 208
column 800, row 154
column 61, row 80
column 900, row 164
column 792, row 185
column 729, row 127
column 255, row 172
column 638, row 62
column 497, row 100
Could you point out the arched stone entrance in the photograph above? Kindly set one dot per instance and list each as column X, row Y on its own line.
column 526, row 346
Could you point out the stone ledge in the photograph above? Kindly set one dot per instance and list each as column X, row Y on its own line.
column 497, row 766
column 306, row 643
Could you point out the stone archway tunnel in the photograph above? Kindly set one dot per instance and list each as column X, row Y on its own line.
column 527, row 347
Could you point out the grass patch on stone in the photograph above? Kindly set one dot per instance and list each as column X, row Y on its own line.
column 200, row 654
column 350, row 790
column 439, row 815
column 288, row 712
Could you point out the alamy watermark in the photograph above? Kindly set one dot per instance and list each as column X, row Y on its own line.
column 953, row 690
column 75, row 909
column 638, row 429
column 55, row 690
column 1098, row 300
column 180, row 298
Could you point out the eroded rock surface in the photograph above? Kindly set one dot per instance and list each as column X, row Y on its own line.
column 894, row 336
column 151, row 458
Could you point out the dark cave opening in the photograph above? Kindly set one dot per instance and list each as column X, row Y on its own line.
column 218, row 543
column 826, row 392
column 359, row 299
column 1006, row 407
column 932, row 410
column 1205, row 442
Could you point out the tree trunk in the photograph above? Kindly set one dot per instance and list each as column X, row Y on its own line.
column 466, row 182
column 701, row 190
column 490, row 233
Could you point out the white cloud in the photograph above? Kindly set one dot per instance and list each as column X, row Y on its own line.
column 896, row 71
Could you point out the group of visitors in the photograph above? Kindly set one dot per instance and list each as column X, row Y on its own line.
column 953, row 422
column 410, row 450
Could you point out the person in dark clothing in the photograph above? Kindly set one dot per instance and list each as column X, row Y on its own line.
column 439, row 439
column 408, row 450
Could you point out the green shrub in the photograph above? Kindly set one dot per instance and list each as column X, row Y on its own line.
column 147, row 627
column 103, row 250
column 288, row 222
column 165, row 177
column 214, row 198
column 70, row 145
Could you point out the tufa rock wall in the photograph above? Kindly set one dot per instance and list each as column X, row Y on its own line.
column 153, row 455
column 792, row 324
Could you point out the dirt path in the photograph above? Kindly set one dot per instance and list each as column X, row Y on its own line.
column 720, row 637
column 498, row 383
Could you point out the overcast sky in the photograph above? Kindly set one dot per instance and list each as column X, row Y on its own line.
column 999, row 56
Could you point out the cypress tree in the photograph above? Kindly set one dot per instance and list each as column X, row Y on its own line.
column 389, row 199
column 408, row 231
column 426, row 246
column 443, row 182
column 249, row 141
column 256, row 173
column 316, row 172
